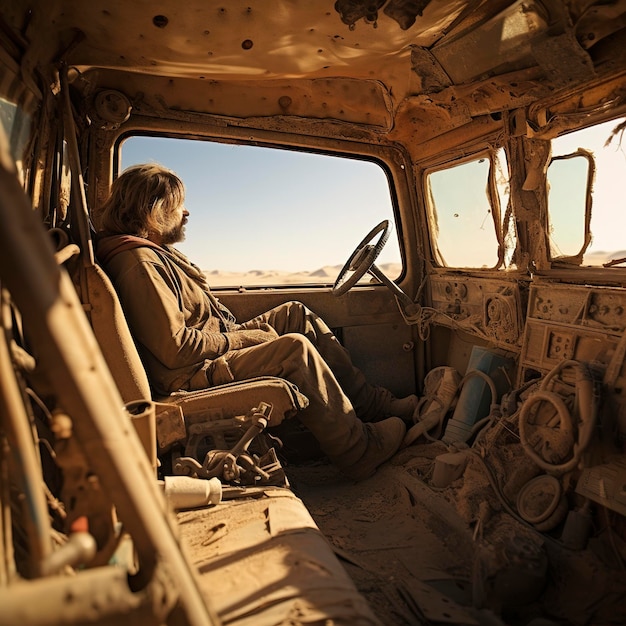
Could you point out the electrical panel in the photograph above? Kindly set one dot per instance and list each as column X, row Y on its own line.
column 581, row 323
column 493, row 307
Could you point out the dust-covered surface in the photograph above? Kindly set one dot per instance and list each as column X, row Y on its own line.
column 405, row 542
column 270, row 563
column 385, row 537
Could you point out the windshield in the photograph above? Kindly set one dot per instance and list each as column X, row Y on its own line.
column 264, row 216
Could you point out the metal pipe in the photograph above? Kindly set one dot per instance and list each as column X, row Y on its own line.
column 375, row 271
column 80, row 214
column 101, row 593
column 79, row 550
column 17, row 426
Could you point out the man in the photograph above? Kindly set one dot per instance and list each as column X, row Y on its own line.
column 188, row 340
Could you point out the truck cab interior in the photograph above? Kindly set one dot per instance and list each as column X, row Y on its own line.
column 440, row 182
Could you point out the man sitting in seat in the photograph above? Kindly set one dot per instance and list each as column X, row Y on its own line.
column 188, row 340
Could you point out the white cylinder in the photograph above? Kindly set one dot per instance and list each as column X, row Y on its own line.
column 184, row 492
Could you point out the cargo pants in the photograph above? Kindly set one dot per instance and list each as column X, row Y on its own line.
column 309, row 355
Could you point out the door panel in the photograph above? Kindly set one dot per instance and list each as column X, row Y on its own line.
column 366, row 320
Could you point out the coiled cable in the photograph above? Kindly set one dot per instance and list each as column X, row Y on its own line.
column 585, row 407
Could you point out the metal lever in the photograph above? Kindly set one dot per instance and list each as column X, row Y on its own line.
column 231, row 464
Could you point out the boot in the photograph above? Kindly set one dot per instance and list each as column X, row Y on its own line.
column 383, row 441
column 404, row 408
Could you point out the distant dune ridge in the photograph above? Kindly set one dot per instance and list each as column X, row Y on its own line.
column 598, row 257
column 328, row 274
column 325, row 275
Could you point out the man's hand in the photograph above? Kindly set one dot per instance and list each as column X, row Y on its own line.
column 238, row 339
column 263, row 333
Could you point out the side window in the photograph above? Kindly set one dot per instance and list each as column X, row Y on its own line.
column 585, row 197
column 470, row 227
column 16, row 124
column 264, row 216
column 569, row 180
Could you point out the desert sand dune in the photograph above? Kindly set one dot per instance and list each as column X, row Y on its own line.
column 324, row 275
column 599, row 257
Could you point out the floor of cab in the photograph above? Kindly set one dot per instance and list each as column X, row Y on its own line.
column 422, row 555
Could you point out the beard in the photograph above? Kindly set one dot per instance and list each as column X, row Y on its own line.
column 174, row 234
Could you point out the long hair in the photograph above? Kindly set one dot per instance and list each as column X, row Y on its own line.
column 141, row 201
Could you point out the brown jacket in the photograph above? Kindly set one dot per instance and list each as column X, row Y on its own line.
column 178, row 325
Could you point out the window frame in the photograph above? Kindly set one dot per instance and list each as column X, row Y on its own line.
column 611, row 269
column 577, row 258
column 391, row 159
column 497, row 217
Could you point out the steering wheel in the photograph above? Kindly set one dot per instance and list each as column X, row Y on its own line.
column 362, row 259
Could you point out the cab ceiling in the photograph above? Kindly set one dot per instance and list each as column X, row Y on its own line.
column 352, row 60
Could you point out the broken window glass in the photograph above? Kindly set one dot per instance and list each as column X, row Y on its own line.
column 568, row 194
column 468, row 213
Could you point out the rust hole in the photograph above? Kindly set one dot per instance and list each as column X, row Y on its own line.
column 160, row 21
